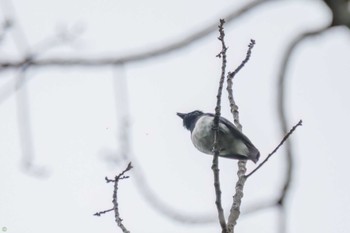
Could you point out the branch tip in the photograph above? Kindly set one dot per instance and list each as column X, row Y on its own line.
column 275, row 150
column 115, row 208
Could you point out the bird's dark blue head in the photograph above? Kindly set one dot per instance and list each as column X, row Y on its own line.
column 189, row 119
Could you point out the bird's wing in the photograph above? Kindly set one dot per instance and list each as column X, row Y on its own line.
column 254, row 153
column 234, row 130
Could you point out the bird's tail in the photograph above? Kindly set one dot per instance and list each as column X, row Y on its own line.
column 253, row 154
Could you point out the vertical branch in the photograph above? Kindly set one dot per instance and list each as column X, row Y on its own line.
column 237, row 198
column 121, row 106
column 215, row 165
column 23, row 117
column 24, row 126
column 123, row 116
column 118, row 219
column 25, row 130
column 115, row 208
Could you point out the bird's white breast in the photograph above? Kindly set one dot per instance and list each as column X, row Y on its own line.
column 203, row 138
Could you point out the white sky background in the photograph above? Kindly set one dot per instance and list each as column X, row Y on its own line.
column 73, row 117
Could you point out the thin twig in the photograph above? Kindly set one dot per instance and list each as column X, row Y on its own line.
column 230, row 77
column 116, row 180
column 215, row 165
column 102, row 212
column 237, row 198
column 277, row 147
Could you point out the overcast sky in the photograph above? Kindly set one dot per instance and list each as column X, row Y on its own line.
column 75, row 113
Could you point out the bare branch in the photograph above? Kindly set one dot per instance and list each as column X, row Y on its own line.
column 118, row 219
column 215, row 165
column 230, row 77
column 274, row 151
column 237, row 198
column 116, row 180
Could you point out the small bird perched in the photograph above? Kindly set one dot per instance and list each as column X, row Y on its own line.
column 232, row 143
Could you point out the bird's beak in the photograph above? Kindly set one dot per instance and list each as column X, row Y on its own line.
column 182, row 115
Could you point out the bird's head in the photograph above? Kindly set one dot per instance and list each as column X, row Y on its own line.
column 189, row 119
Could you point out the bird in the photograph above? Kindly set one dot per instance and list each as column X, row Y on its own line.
column 232, row 143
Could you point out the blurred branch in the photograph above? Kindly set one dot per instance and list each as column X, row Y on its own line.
column 61, row 38
column 19, row 86
column 120, row 85
column 25, row 130
column 121, row 101
column 137, row 57
column 17, row 32
column 22, row 97
column 280, row 202
column 340, row 14
column 215, row 165
column 259, row 206
column 281, row 108
column 237, row 198
column 4, row 28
